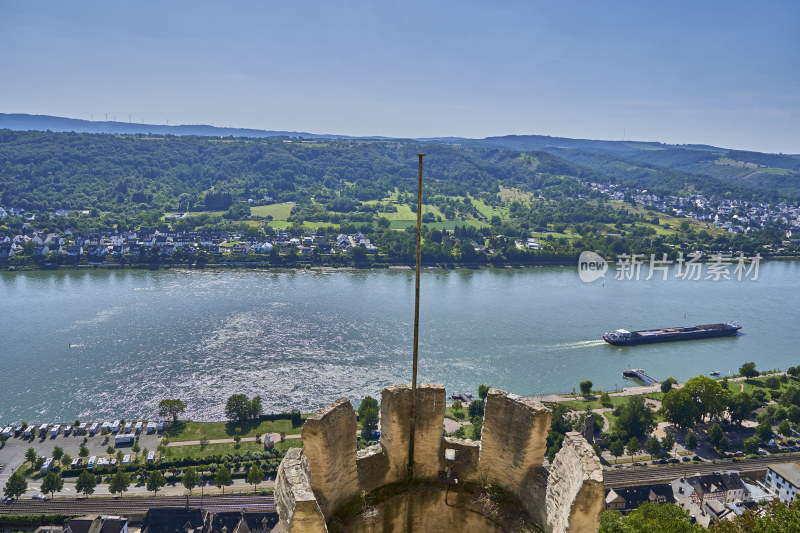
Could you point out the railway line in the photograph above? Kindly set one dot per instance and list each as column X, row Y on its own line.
column 665, row 473
column 136, row 505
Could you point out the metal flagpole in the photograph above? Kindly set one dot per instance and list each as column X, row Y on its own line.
column 416, row 322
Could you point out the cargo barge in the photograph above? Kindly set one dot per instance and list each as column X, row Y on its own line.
column 623, row 337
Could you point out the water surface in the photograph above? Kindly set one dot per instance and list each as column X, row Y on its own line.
column 302, row 339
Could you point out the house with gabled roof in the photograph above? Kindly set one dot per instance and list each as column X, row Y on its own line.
column 626, row 499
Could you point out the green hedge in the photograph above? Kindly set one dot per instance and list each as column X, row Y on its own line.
column 11, row 520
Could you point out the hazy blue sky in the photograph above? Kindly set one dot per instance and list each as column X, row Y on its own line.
column 718, row 72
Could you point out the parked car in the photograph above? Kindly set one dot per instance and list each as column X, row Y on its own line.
column 39, row 497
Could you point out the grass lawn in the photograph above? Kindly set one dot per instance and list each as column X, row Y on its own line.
column 289, row 443
column 751, row 385
column 194, row 450
column 579, row 404
column 185, row 431
column 448, row 413
column 278, row 211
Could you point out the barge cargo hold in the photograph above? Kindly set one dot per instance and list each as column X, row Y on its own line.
column 623, row 337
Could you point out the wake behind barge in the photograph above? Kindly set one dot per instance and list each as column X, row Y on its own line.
column 623, row 337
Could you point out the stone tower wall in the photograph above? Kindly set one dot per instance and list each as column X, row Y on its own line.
column 574, row 498
column 514, row 438
column 329, row 444
column 395, row 430
column 294, row 500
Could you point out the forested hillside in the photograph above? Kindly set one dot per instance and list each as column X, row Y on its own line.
column 491, row 199
column 660, row 167
column 43, row 170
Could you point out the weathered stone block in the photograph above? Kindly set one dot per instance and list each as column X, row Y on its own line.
column 513, row 441
column 372, row 465
column 467, row 457
column 329, row 444
column 395, row 429
column 295, row 502
column 574, row 498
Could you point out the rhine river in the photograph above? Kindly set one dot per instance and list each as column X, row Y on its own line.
column 302, row 339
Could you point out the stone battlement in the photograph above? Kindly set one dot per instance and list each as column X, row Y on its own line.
column 329, row 471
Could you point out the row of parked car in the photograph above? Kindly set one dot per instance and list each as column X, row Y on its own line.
column 55, row 430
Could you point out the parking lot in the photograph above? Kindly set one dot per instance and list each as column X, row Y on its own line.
column 12, row 455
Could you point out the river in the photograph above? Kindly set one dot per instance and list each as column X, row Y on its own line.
column 304, row 338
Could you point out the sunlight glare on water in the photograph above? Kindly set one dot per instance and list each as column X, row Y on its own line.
column 302, row 339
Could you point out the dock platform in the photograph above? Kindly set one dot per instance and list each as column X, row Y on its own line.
column 641, row 375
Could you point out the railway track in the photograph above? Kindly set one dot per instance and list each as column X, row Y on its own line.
column 136, row 505
column 665, row 473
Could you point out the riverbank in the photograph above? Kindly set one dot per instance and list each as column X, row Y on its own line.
column 261, row 265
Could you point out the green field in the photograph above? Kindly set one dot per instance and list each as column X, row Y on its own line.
column 282, row 224
column 186, row 431
column 511, row 194
column 278, row 211
column 489, row 211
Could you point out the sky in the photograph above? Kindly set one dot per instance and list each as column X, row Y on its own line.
column 725, row 73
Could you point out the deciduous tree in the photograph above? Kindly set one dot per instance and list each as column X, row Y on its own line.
column 748, row 370
column 190, row 479
column 586, row 388
column 715, row 434
column 709, row 395
column 222, row 478
column 740, row 406
column 52, row 483
column 86, row 483
column 31, row 456
column 616, row 448
column 15, row 486
column 255, row 476
column 679, row 408
column 635, row 418
column 171, row 407
column 119, row 483
column 691, row 440
column 156, row 481
column 633, row 447
column 653, row 446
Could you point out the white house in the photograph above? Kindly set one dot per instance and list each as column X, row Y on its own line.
column 784, row 480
